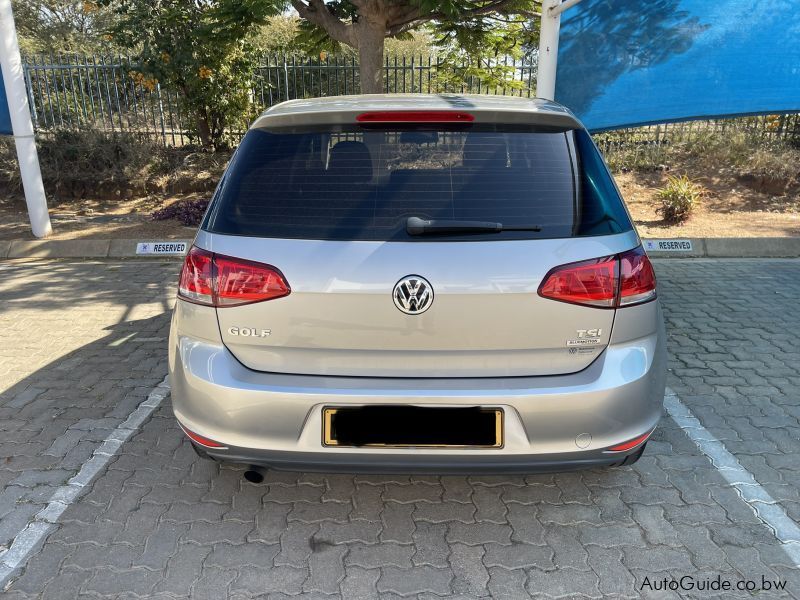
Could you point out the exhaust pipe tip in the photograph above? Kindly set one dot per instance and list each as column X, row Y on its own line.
column 254, row 474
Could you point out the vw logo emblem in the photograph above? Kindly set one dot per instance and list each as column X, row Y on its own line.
column 413, row 295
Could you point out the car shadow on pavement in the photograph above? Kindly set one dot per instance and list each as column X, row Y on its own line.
column 56, row 285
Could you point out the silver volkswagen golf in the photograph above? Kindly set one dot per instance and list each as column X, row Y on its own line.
column 418, row 283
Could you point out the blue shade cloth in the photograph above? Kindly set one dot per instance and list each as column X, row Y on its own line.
column 623, row 63
column 5, row 117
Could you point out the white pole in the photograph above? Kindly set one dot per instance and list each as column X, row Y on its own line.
column 548, row 46
column 21, row 125
column 564, row 6
column 548, row 50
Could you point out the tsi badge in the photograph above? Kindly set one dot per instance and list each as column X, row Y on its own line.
column 249, row 332
column 586, row 338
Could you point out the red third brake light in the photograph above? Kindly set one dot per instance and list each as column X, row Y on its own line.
column 415, row 116
column 614, row 281
column 222, row 281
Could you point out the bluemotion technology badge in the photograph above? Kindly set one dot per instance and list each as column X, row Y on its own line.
column 413, row 294
column 587, row 338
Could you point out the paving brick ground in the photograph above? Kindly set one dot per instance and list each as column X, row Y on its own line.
column 82, row 343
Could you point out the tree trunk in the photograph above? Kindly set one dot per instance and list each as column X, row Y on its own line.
column 370, row 37
column 204, row 130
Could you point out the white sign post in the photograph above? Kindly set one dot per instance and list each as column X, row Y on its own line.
column 14, row 81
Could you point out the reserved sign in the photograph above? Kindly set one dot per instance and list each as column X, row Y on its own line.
column 161, row 248
column 668, row 245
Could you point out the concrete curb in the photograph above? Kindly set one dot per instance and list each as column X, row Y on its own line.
column 701, row 248
column 788, row 247
column 58, row 249
column 79, row 249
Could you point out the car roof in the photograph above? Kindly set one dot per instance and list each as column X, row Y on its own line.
column 485, row 108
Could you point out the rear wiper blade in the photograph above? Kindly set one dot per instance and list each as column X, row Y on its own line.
column 417, row 226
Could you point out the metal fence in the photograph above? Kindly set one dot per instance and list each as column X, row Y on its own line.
column 100, row 93
column 106, row 94
column 766, row 127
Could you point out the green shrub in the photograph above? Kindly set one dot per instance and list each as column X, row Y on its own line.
column 679, row 198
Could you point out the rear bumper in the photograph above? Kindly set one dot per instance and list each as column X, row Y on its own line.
column 322, row 462
column 556, row 422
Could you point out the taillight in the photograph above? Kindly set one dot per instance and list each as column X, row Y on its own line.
column 197, row 277
column 637, row 278
column 614, row 281
column 592, row 282
column 223, row 281
column 242, row 282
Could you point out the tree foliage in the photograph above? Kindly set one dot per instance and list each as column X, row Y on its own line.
column 478, row 50
column 203, row 48
column 279, row 35
column 289, row 34
column 465, row 28
column 62, row 26
column 209, row 49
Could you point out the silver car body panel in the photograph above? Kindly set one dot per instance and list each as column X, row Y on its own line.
column 264, row 415
column 486, row 320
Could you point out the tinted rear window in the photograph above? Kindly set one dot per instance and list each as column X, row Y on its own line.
column 356, row 184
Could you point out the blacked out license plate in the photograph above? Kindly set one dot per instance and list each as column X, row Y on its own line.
column 412, row 427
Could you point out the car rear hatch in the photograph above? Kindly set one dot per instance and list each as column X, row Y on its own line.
column 328, row 213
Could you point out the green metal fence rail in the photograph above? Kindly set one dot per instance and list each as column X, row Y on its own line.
column 100, row 93
column 648, row 140
column 104, row 93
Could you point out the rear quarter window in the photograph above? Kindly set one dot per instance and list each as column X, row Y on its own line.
column 363, row 184
column 600, row 207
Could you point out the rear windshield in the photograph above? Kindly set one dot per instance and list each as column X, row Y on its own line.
column 364, row 184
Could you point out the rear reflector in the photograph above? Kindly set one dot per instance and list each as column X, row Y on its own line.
column 610, row 282
column 223, row 281
column 411, row 116
column 631, row 444
column 200, row 440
